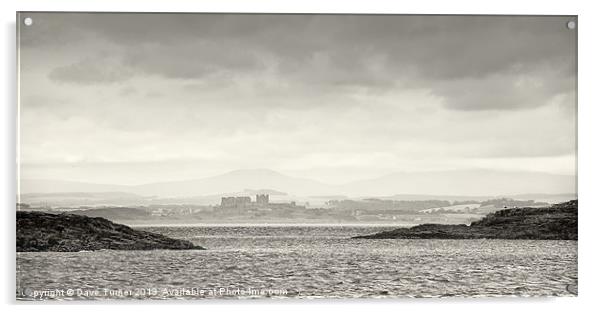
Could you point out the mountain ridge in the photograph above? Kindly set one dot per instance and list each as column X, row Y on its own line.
column 478, row 183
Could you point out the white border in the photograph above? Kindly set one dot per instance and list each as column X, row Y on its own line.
column 590, row 156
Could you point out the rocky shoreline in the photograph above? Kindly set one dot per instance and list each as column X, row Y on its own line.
column 37, row 231
column 558, row 222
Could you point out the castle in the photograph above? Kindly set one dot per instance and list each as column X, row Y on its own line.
column 262, row 199
column 241, row 202
column 235, row 202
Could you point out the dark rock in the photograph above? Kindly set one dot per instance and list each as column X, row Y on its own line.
column 558, row 222
column 37, row 231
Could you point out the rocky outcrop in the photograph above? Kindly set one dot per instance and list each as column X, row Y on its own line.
column 37, row 231
column 558, row 222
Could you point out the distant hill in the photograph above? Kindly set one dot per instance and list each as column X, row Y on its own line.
column 82, row 198
column 270, row 192
column 544, row 197
column 116, row 213
column 481, row 184
column 463, row 182
column 234, row 181
column 61, row 186
column 403, row 197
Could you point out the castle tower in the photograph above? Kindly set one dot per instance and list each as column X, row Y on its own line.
column 262, row 199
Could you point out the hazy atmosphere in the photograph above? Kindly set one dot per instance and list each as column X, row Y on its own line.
column 138, row 99
column 233, row 156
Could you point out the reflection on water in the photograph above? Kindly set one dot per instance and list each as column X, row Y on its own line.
column 303, row 262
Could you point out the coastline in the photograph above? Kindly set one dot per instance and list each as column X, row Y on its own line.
column 37, row 232
column 557, row 222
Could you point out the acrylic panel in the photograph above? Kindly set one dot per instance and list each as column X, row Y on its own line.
column 242, row 156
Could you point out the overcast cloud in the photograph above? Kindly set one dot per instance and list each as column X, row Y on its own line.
column 137, row 98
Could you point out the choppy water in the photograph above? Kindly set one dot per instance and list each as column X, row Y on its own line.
column 303, row 262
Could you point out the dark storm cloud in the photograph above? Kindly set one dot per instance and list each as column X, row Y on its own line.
column 448, row 54
column 192, row 60
column 504, row 91
column 91, row 71
column 306, row 93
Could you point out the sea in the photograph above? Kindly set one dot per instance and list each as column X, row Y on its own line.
column 302, row 261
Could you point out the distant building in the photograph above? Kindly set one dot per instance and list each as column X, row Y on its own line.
column 235, row 202
column 262, row 199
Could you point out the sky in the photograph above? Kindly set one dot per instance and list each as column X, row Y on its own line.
column 141, row 98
